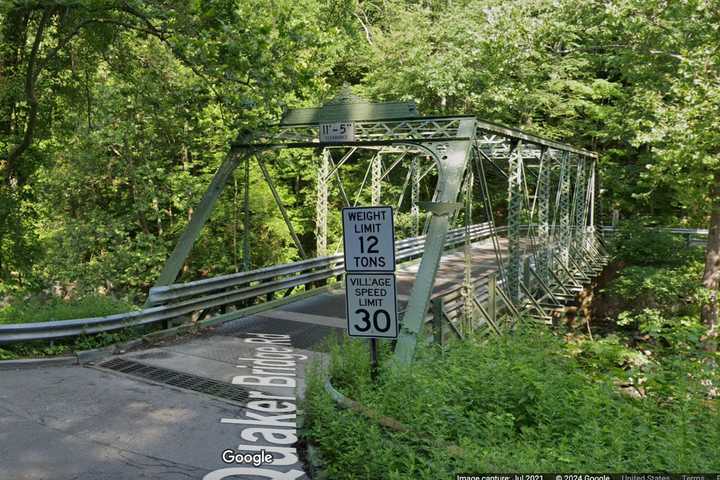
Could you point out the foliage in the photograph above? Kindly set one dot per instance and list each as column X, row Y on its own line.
column 637, row 244
column 670, row 289
column 34, row 310
column 68, row 346
column 659, row 316
column 520, row 402
column 107, row 146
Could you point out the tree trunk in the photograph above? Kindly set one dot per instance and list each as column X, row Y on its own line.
column 711, row 276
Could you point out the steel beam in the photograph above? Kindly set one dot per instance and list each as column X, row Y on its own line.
column 468, row 285
column 515, row 208
column 564, row 209
column 321, row 205
column 579, row 204
column 452, row 158
column 200, row 215
column 376, row 180
column 278, row 202
column 543, row 211
column 414, row 194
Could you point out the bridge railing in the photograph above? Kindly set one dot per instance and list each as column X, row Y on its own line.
column 692, row 236
column 201, row 297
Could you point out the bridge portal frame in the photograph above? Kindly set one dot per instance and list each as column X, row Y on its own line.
column 450, row 141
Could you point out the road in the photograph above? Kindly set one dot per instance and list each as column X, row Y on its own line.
column 95, row 423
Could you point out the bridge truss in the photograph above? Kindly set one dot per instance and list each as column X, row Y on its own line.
column 549, row 199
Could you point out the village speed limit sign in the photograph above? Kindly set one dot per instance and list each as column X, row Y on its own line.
column 371, row 305
column 368, row 239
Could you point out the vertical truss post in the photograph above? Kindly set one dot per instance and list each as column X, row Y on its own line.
column 564, row 200
column 579, row 205
column 414, row 195
column 246, row 216
column 452, row 160
column 468, row 288
column 543, row 209
column 376, row 180
column 321, row 207
column 492, row 297
column 515, row 207
column 591, row 196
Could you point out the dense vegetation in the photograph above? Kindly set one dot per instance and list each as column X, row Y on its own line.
column 640, row 395
column 528, row 401
column 114, row 114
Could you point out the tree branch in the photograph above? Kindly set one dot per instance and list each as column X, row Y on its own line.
column 30, row 78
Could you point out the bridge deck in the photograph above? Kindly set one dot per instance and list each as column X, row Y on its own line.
column 311, row 319
column 125, row 422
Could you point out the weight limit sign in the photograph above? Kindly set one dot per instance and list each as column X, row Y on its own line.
column 369, row 239
column 371, row 305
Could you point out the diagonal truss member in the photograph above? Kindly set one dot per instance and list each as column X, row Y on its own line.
column 446, row 141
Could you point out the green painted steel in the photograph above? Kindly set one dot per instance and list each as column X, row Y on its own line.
column 174, row 263
column 280, row 205
column 321, row 205
column 376, row 180
column 579, row 204
column 468, row 290
column 396, row 128
column 348, row 107
column 415, row 194
column 564, row 210
column 452, row 159
column 514, row 219
column 543, row 214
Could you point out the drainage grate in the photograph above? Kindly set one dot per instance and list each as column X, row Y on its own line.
column 178, row 379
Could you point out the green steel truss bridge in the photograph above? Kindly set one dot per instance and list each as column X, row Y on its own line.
column 502, row 222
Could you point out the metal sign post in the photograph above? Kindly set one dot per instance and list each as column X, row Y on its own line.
column 370, row 294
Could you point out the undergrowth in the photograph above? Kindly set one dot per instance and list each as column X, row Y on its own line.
column 526, row 401
column 35, row 310
column 67, row 346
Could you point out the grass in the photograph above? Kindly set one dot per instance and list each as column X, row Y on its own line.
column 522, row 402
column 34, row 310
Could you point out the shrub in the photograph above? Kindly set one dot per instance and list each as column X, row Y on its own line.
column 519, row 402
column 636, row 244
column 35, row 310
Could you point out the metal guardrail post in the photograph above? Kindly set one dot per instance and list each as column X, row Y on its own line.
column 437, row 305
column 492, row 296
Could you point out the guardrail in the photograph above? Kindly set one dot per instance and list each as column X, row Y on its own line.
column 693, row 236
column 201, row 297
